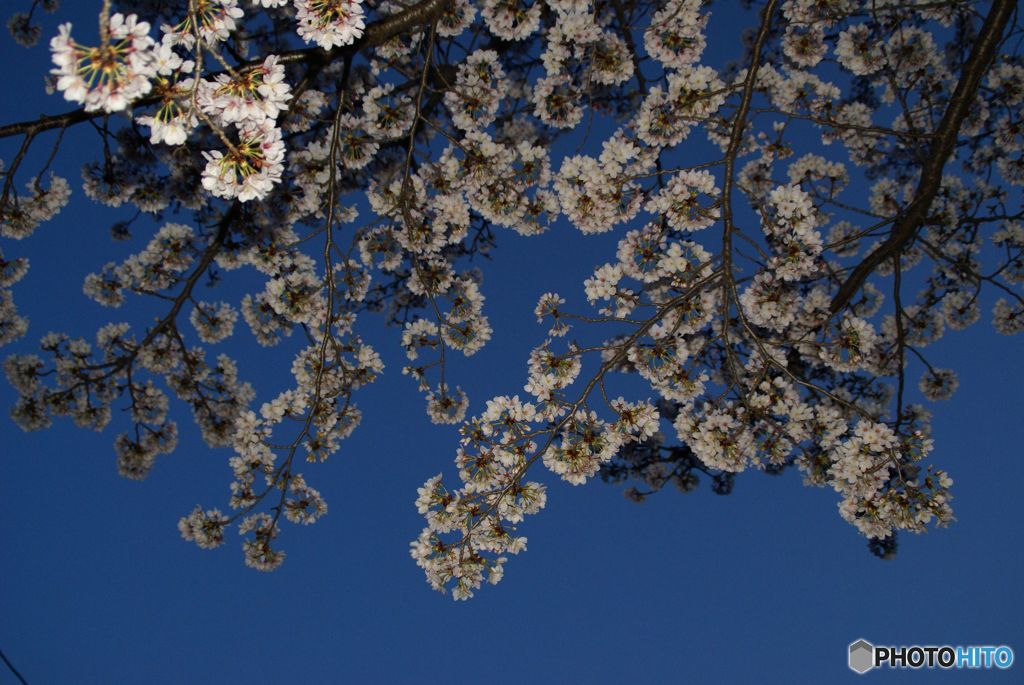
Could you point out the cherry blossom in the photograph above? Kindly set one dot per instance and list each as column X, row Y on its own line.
column 789, row 232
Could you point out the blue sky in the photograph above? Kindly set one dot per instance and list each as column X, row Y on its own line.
column 766, row 585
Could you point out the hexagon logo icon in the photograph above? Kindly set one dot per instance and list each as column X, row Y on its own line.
column 862, row 656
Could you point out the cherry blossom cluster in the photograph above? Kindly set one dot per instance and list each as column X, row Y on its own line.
column 326, row 376
column 471, row 529
column 20, row 25
column 12, row 324
column 321, row 402
column 758, row 410
column 110, row 76
column 240, row 105
column 20, row 216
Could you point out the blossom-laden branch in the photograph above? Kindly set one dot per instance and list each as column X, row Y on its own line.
column 946, row 133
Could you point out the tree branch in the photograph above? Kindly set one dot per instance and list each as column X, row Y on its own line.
column 908, row 223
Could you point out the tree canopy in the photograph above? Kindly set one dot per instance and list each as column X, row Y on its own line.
column 795, row 227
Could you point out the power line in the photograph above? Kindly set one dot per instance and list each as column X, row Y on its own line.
column 13, row 669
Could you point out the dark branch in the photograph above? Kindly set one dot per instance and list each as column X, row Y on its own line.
column 908, row 223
